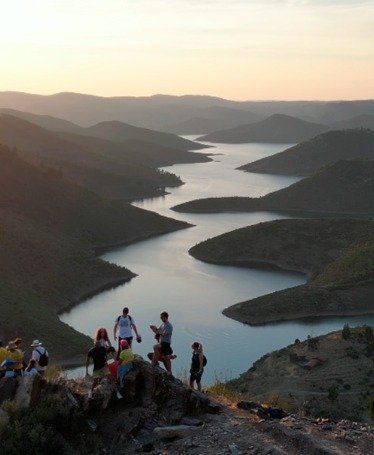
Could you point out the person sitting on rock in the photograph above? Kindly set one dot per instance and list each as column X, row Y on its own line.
column 125, row 360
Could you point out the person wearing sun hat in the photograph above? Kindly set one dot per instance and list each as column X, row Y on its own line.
column 37, row 352
column 16, row 355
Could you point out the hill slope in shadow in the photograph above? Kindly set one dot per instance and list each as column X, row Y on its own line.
column 307, row 157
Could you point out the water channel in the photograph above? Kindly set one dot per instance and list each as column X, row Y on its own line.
column 195, row 293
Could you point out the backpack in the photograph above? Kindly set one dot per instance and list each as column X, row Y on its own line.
column 43, row 359
column 205, row 360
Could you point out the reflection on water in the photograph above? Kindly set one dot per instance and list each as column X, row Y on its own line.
column 195, row 293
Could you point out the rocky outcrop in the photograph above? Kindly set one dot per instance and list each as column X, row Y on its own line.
column 160, row 415
column 152, row 399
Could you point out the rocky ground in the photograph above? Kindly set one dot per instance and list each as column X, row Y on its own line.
column 240, row 432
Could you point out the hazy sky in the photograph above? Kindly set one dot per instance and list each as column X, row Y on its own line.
column 235, row 49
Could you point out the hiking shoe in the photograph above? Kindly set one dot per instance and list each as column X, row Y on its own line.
column 119, row 396
column 90, row 396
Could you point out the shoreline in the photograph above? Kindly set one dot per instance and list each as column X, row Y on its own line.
column 259, row 321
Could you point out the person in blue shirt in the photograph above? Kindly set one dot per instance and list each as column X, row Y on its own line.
column 164, row 346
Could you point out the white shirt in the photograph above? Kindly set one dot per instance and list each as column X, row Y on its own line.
column 124, row 326
column 36, row 356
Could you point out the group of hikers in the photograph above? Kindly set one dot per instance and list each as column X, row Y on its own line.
column 13, row 363
column 123, row 357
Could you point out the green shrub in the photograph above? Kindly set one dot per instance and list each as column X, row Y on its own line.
column 50, row 427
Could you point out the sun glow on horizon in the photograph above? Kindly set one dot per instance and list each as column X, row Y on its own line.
column 269, row 49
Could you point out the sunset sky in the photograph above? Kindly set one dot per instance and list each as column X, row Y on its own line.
column 234, row 49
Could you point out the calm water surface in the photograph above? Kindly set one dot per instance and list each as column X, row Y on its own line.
column 195, row 293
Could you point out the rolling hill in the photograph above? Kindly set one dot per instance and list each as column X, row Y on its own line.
column 278, row 128
column 307, row 157
column 49, row 229
column 343, row 188
column 334, row 254
column 116, row 170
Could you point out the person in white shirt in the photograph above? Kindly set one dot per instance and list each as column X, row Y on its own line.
column 36, row 354
column 123, row 327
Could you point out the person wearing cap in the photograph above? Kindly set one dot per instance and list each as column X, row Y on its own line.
column 98, row 355
column 37, row 351
column 16, row 356
column 123, row 327
column 125, row 360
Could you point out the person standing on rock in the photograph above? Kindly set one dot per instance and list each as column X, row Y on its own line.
column 197, row 365
column 123, row 327
column 16, row 355
column 98, row 355
column 164, row 346
column 37, row 353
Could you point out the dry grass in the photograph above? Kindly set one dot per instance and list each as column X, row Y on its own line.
column 341, row 387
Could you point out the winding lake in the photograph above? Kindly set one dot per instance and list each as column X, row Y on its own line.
column 195, row 293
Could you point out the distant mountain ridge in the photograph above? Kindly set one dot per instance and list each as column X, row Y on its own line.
column 165, row 112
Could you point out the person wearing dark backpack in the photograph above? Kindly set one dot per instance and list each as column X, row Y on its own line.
column 123, row 327
column 40, row 355
column 198, row 362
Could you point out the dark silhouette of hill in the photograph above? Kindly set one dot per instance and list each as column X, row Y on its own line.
column 278, row 128
column 111, row 130
column 45, row 121
column 164, row 112
column 120, row 132
column 117, row 170
column 343, row 188
column 49, row 230
column 307, row 157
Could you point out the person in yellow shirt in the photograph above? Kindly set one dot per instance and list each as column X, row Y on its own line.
column 3, row 353
column 17, row 356
column 3, row 356
column 125, row 359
